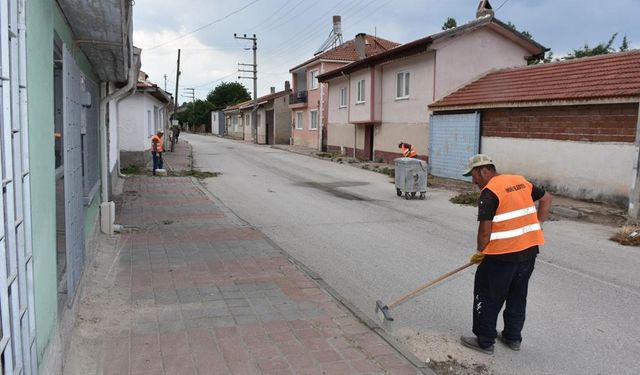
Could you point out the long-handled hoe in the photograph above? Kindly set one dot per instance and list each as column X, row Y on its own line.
column 383, row 309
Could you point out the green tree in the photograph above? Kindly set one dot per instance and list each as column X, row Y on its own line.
column 196, row 113
column 523, row 32
column 450, row 23
column 600, row 49
column 545, row 58
column 625, row 44
column 227, row 94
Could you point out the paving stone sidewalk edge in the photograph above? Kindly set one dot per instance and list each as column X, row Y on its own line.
column 370, row 323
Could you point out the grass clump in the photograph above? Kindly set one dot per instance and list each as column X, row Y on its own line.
column 391, row 172
column 628, row 235
column 131, row 169
column 324, row 155
column 468, row 198
column 201, row 174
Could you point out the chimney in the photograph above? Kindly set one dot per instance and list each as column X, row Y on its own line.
column 287, row 86
column 360, row 43
column 273, row 90
column 484, row 9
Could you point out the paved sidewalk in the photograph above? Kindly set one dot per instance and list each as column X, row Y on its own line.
column 180, row 159
column 192, row 289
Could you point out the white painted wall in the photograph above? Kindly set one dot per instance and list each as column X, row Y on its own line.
column 336, row 114
column 133, row 119
column 414, row 109
column 386, row 138
column 466, row 57
column 587, row 170
column 360, row 111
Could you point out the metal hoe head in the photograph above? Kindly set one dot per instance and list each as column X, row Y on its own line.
column 384, row 309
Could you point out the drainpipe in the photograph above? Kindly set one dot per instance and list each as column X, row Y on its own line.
column 107, row 208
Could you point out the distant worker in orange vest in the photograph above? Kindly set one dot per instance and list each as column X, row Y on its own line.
column 408, row 151
column 509, row 233
column 157, row 148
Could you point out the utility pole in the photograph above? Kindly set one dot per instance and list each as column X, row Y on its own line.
column 190, row 93
column 175, row 109
column 165, row 82
column 254, row 114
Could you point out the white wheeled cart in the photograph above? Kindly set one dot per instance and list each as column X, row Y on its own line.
column 411, row 177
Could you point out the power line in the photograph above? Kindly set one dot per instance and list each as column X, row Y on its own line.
column 498, row 8
column 204, row 26
column 310, row 32
column 310, row 35
column 216, row 80
column 266, row 20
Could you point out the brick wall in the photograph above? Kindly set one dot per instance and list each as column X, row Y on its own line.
column 591, row 123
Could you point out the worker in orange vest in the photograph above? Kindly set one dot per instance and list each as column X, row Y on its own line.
column 509, row 233
column 408, row 150
column 157, row 148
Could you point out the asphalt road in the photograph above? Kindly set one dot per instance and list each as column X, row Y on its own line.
column 348, row 225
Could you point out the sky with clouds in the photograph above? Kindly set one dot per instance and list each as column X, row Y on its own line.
column 290, row 31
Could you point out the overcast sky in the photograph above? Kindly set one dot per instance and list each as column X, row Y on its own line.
column 290, row 31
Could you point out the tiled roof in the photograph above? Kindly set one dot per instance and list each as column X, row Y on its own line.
column 613, row 75
column 262, row 99
column 347, row 50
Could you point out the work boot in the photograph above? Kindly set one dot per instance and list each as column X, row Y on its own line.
column 511, row 344
column 472, row 342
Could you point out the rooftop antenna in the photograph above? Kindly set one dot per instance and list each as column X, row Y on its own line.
column 335, row 36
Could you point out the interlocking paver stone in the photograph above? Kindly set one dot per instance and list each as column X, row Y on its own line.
column 200, row 292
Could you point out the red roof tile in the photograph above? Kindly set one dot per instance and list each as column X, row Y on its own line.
column 261, row 99
column 347, row 50
column 605, row 76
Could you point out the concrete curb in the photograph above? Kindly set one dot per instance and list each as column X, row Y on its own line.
column 372, row 325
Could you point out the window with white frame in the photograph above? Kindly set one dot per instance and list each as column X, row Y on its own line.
column 343, row 97
column 402, row 85
column 299, row 120
column 235, row 123
column 314, row 79
column 313, row 120
column 360, row 91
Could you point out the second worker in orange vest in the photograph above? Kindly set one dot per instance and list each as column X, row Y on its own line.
column 157, row 148
column 509, row 233
column 408, row 150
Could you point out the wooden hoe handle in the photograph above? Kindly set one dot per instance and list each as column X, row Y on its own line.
column 428, row 284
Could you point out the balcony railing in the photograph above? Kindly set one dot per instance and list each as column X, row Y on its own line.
column 298, row 97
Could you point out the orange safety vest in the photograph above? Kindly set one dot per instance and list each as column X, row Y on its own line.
column 409, row 152
column 515, row 225
column 158, row 140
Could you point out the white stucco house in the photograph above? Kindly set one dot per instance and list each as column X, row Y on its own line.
column 377, row 102
column 140, row 116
